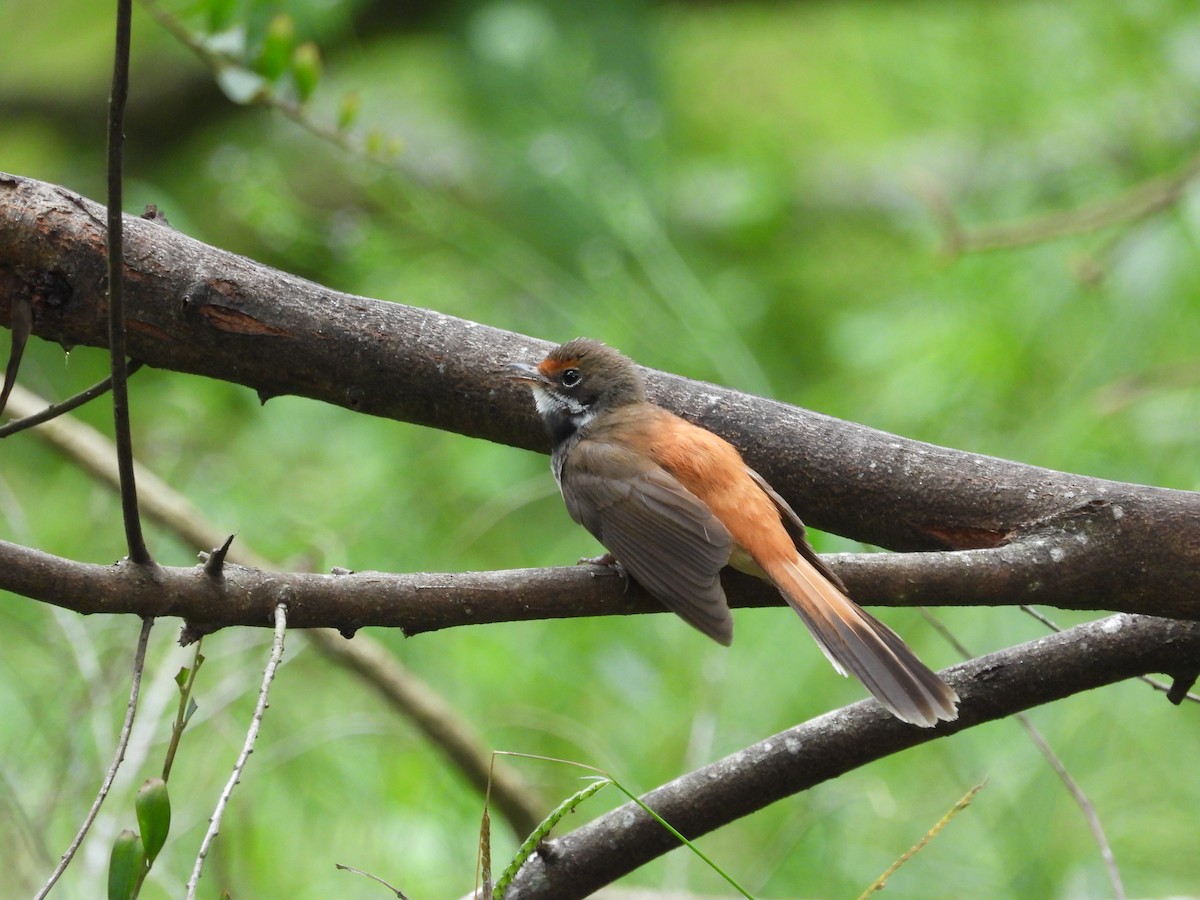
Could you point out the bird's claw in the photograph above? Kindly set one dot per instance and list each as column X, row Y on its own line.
column 607, row 561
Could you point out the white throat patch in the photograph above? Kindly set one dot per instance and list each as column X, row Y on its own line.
column 557, row 406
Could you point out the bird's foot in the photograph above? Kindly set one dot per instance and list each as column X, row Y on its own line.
column 606, row 561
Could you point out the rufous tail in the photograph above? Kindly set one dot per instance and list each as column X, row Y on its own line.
column 858, row 643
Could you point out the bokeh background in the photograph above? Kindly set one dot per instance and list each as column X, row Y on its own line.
column 749, row 193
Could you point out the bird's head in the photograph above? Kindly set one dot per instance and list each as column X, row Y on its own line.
column 577, row 381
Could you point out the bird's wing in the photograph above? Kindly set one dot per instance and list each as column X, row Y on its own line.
column 663, row 535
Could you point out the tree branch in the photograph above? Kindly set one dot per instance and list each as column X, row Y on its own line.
column 1031, row 533
column 1141, row 201
column 991, row 687
column 422, row 602
column 115, row 276
column 367, row 658
column 1020, row 534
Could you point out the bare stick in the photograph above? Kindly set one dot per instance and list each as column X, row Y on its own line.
column 881, row 882
column 395, row 890
column 1081, row 800
column 366, row 657
column 65, row 406
column 1073, row 787
column 1137, row 203
column 116, row 276
column 260, row 710
column 139, row 661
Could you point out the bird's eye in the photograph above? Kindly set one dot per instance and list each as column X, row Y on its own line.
column 570, row 377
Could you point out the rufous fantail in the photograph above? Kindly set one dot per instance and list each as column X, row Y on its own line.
column 674, row 503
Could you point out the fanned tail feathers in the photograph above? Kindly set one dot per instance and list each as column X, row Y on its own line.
column 858, row 643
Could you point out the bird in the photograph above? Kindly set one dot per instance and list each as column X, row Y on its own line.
column 673, row 504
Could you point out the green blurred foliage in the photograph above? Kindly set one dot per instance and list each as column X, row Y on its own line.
column 728, row 191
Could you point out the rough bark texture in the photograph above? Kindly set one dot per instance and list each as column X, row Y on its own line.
column 991, row 687
column 995, row 532
column 1033, row 535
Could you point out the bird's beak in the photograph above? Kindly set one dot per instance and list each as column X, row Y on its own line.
column 526, row 373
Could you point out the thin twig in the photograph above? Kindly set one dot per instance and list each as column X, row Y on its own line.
column 1138, row 202
column 57, row 409
column 881, row 882
column 1073, row 788
column 429, row 207
column 365, row 657
column 1081, row 800
column 260, row 710
column 395, row 890
column 116, row 295
column 139, row 661
column 184, row 712
column 438, row 721
column 1040, row 616
column 21, row 326
column 217, row 60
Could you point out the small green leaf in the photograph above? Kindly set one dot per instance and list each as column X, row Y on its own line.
column 277, row 47
column 153, row 807
column 375, row 141
column 125, row 866
column 348, row 110
column 306, row 69
column 181, row 676
column 192, row 706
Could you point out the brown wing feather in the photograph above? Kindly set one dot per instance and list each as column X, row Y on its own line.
column 666, row 538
